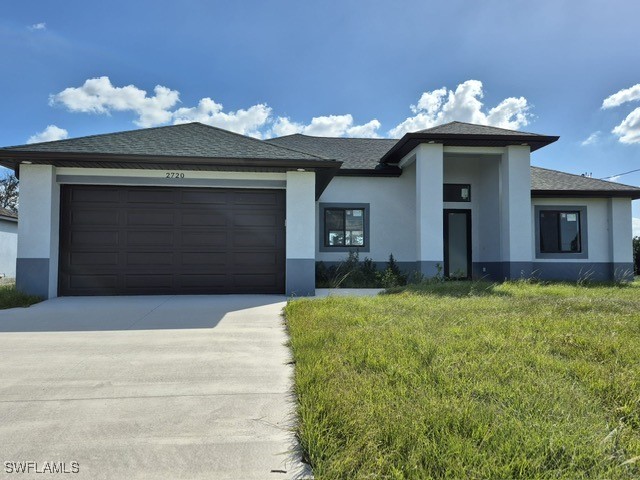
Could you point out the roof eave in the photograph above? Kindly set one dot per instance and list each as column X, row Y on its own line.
column 411, row 140
column 632, row 194
column 325, row 169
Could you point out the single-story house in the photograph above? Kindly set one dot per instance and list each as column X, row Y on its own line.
column 8, row 243
column 196, row 209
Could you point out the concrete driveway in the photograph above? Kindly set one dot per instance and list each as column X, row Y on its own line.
column 148, row 387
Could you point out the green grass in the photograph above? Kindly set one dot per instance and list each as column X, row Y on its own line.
column 470, row 380
column 11, row 298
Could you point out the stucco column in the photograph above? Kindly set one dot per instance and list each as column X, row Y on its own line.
column 516, row 237
column 429, row 213
column 301, row 234
column 38, row 227
column 620, row 238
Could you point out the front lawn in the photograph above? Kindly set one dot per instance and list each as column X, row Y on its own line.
column 11, row 298
column 470, row 380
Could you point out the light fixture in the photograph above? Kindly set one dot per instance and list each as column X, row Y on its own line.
column 26, row 162
column 524, row 144
column 301, row 169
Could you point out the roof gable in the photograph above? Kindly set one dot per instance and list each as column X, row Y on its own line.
column 464, row 128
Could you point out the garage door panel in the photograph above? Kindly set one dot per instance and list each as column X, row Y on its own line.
column 205, row 259
column 251, row 197
column 151, row 259
column 82, row 282
column 204, row 218
column 150, row 218
column 146, row 240
column 94, row 238
column 206, row 197
column 80, row 259
column 87, row 195
column 152, row 196
column 162, row 281
column 154, row 238
column 254, row 259
column 105, row 217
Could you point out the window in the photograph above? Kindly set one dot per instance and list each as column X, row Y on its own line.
column 456, row 192
column 560, row 231
column 344, row 227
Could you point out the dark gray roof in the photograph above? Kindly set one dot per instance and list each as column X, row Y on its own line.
column 545, row 180
column 7, row 213
column 186, row 140
column 463, row 128
column 355, row 153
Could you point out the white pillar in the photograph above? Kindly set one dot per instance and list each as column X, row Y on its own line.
column 620, row 238
column 516, row 238
column 38, row 231
column 301, row 234
column 429, row 208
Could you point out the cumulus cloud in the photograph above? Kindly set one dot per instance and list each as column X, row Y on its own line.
column 38, row 26
column 636, row 227
column 591, row 139
column 628, row 131
column 327, row 126
column 463, row 104
column 49, row 134
column 247, row 122
column 98, row 95
column 623, row 96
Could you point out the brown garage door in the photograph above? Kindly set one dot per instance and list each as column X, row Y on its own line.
column 154, row 240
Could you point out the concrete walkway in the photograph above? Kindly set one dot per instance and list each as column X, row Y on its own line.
column 149, row 387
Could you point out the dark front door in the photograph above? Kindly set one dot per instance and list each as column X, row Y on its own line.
column 457, row 243
column 126, row 240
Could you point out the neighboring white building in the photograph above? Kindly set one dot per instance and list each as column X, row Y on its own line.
column 8, row 243
column 196, row 209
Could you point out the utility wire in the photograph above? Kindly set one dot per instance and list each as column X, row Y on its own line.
column 621, row 174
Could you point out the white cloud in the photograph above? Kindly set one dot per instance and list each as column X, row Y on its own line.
column 49, row 134
column 38, row 26
column 623, row 96
column 615, row 178
column 442, row 106
column 246, row 122
column 636, row 227
column 327, row 126
column 98, row 95
column 591, row 139
column 628, row 131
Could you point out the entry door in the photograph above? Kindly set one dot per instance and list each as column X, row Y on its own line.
column 457, row 244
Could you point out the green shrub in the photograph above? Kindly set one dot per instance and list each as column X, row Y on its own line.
column 11, row 298
column 354, row 273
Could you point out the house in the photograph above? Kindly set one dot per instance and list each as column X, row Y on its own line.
column 8, row 243
column 195, row 209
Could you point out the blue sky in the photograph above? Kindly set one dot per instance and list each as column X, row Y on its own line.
column 270, row 67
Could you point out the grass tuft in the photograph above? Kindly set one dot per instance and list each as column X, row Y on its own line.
column 470, row 380
column 11, row 298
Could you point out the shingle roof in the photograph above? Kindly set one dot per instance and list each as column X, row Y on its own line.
column 186, row 140
column 7, row 213
column 545, row 180
column 365, row 153
column 355, row 153
column 463, row 128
